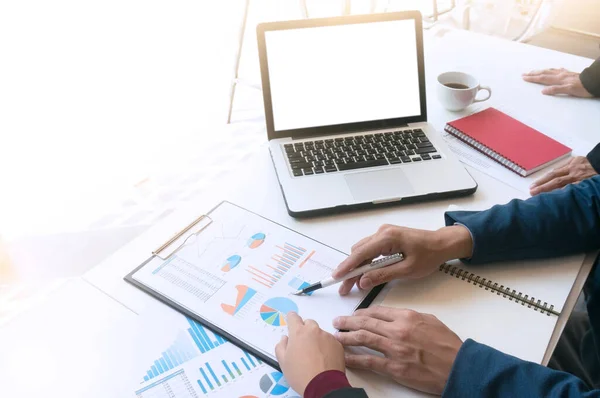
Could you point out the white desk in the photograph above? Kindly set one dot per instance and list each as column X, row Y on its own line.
column 496, row 62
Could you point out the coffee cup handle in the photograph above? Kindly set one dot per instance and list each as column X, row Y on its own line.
column 489, row 90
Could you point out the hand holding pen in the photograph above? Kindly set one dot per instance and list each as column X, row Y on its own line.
column 423, row 252
column 357, row 272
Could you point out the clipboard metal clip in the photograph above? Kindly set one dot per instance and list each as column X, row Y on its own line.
column 159, row 252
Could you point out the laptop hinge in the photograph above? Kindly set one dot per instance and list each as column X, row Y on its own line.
column 311, row 135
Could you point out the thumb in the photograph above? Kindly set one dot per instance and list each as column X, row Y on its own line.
column 560, row 89
column 281, row 348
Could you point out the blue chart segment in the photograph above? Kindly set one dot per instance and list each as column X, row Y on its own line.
column 256, row 240
column 244, row 294
column 218, row 374
column 182, row 350
column 202, row 337
column 231, row 263
column 298, row 284
column 274, row 383
column 274, row 310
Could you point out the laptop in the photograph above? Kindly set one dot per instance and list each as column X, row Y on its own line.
column 346, row 114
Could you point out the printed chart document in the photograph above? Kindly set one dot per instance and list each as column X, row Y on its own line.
column 237, row 274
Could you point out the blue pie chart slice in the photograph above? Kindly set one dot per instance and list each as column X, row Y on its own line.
column 274, row 310
column 256, row 240
column 231, row 263
column 274, row 383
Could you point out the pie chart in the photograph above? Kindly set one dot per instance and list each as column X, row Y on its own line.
column 274, row 310
column 274, row 383
column 231, row 263
column 256, row 240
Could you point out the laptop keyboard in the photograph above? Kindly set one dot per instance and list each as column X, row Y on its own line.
column 359, row 152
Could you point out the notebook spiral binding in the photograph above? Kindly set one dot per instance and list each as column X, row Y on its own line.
column 486, row 150
column 502, row 290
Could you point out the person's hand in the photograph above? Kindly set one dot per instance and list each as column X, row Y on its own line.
column 306, row 352
column 559, row 81
column 419, row 349
column 423, row 250
column 578, row 169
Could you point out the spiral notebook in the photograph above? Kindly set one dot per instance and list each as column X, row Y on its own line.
column 511, row 306
column 511, row 143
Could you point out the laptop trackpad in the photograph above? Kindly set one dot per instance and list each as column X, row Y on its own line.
column 379, row 185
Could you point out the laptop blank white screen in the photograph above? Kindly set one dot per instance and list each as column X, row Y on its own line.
column 342, row 74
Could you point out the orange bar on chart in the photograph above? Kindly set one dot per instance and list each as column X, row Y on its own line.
column 306, row 259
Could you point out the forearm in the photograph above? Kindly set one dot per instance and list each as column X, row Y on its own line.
column 481, row 371
column 552, row 224
column 590, row 78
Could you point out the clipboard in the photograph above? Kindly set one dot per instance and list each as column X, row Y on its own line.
column 178, row 240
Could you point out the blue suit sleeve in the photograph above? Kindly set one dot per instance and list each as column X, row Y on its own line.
column 481, row 371
column 552, row 224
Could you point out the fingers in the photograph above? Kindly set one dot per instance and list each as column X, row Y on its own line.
column 566, row 89
column 311, row 323
column 362, row 338
column 370, row 362
column 545, row 79
column 355, row 259
column 383, row 275
column 379, row 312
column 347, row 285
column 379, row 244
column 294, row 321
column 553, row 184
column 366, row 323
column 280, row 349
column 543, row 71
column 557, row 183
column 361, row 242
column 561, row 171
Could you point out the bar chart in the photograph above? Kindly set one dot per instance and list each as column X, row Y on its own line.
column 204, row 339
column 182, row 350
column 286, row 257
column 219, row 374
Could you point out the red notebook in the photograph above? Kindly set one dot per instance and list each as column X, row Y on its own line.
column 511, row 143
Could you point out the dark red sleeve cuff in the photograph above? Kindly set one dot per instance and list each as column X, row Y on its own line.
column 325, row 382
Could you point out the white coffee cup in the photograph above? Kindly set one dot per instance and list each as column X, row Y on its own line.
column 463, row 93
